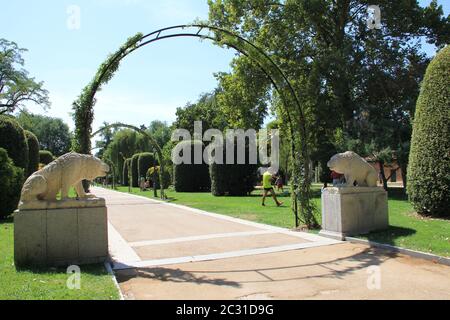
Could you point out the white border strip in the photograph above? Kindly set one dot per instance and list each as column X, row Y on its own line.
column 197, row 238
column 218, row 256
column 119, row 248
column 113, row 276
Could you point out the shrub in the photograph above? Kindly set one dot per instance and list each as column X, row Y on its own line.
column 13, row 140
column 11, row 178
column 233, row 179
column 166, row 177
column 191, row 177
column 33, row 152
column 126, row 168
column 428, row 174
column 135, row 170
column 45, row 157
column 146, row 160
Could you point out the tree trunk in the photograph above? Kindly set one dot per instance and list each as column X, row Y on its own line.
column 155, row 193
column 382, row 175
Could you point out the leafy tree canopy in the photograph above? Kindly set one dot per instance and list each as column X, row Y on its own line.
column 350, row 78
column 53, row 133
column 16, row 86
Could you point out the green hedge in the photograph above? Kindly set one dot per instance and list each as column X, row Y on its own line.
column 428, row 174
column 135, row 171
column 191, row 177
column 233, row 179
column 11, row 178
column 45, row 157
column 33, row 152
column 146, row 160
column 126, row 168
column 13, row 140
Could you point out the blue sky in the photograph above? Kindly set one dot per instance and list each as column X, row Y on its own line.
column 151, row 83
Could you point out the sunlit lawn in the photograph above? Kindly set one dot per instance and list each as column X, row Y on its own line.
column 406, row 228
column 48, row 283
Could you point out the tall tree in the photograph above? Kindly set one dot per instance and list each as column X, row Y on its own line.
column 124, row 144
column 206, row 109
column 106, row 137
column 343, row 71
column 244, row 96
column 160, row 131
column 53, row 133
column 16, row 86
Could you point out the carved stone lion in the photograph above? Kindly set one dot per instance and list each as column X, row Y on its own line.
column 354, row 168
column 66, row 171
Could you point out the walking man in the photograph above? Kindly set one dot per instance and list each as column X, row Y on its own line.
column 267, row 187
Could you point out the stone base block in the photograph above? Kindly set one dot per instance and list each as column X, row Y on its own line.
column 60, row 237
column 349, row 211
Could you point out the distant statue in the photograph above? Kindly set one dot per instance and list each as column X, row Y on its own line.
column 65, row 172
column 354, row 168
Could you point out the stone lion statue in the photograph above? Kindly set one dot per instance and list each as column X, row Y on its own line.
column 66, row 171
column 354, row 168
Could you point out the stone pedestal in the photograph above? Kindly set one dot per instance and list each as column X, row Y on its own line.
column 349, row 211
column 72, row 232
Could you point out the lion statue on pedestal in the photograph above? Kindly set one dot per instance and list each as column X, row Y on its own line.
column 65, row 172
column 354, row 168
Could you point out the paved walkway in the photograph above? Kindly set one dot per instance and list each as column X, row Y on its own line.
column 167, row 251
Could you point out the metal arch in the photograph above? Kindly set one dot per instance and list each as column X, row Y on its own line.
column 239, row 46
column 152, row 141
column 143, row 42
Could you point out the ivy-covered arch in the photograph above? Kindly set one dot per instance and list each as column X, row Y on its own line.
column 150, row 138
column 292, row 110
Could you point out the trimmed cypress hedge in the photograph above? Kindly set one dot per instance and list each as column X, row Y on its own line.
column 428, row 174
column 126, row 168
column 13, row 140
column 11, row 178
column 191, row 177
column 45, row 157
column 146, row 160
column 233, row 179
column 33, row 152
column 135, row 171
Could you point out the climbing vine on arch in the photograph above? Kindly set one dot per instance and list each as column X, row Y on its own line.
column 83, row 106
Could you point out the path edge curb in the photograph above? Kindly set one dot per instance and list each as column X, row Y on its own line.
column 409, row 252
column 110, row 271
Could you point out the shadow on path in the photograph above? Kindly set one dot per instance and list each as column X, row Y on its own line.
column 333, row 269
column 172, row 275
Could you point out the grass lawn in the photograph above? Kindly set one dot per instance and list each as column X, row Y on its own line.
column 406, row 228
column 50, row 283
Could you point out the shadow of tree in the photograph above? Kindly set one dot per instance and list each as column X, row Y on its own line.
column 173, row 275
column 91, row 269
column 390, row 235
column 334, row 269
column 4, row 220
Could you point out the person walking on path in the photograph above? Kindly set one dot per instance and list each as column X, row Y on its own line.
column 267, row 186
